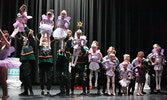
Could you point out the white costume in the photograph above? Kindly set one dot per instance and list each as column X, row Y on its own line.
column 94, row 57
column 93, row 66
column 125, row 74
column 46, row 28
column 158, row 70
column 76, row 45
column 159, row 60
column 110, row 74
column 110, row 64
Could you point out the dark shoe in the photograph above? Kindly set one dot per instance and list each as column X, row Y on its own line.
column 152, row 92
column 98, row 93
column 61, row 93
column 158, row 91
column 83, row 93
column 67, row 93
column 24, row 94
column 72, row 93
column 48, row 94
column 119, row 93
column 31, row 93
column 143, row 92
column 103, row 93
column 88, row 92
column 42, row 92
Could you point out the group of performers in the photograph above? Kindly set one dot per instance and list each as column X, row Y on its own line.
column 83, row 60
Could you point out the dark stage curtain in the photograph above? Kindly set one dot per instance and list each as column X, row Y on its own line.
column 128, row 25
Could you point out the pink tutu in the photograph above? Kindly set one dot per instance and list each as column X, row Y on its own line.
column 20, row 25
column 9, row 63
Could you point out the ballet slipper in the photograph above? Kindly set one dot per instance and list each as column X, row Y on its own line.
column 141, row 94
column 90, row 84
column 95, row 84
column 40, row 44
column 49, row 47
column 157, row 87
column 61, row 50
column 109, row 93
column 72, row 65
column 138, row 94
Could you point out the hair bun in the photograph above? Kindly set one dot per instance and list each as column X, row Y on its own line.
column 23, row 7
column 51, row 10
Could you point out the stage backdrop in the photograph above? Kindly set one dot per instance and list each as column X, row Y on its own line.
column 128, row 25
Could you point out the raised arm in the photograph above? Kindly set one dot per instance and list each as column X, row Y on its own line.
column 30, row 35
column 6, row 41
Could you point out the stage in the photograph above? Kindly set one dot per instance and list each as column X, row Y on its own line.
column 92, row 96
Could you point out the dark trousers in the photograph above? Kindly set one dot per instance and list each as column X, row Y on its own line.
column 80, row 71
column 63, row 75
column 152, row 82
column 132, row 85
column 26, row 69
column 102, row 82
column 45, row 69
column 117, row 84
column 87, row 79
column 3, row 75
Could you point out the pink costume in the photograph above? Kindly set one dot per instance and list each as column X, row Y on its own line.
column 18, row 23
column 4, row 61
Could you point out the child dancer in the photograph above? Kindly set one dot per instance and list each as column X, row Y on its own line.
column 110, row 67
column 46, row 26
column 78, row 42
column 94, row 59
column 140, row 71
column 5, row 50
column 21, row 17
column 129, row 67
column 61, row 31
column 125, row 76
column 135, row 62
column 158, row 66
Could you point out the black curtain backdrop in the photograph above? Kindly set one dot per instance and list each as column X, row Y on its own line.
column 128, row 25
